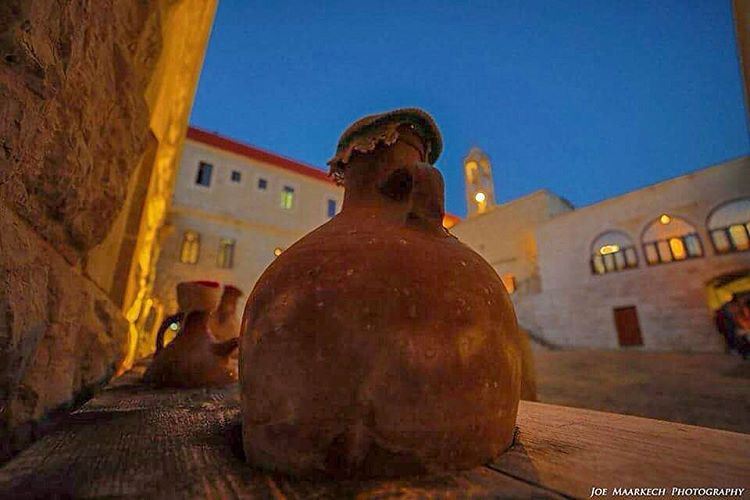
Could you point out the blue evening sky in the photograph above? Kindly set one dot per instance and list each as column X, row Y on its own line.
column 589, row 99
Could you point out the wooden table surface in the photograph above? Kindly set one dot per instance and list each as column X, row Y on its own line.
column 139, row 442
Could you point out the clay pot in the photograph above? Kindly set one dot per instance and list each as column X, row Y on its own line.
column 379, row 344
column 224, row 323
column 191, row 296
column 194, row 358
column 198, row 296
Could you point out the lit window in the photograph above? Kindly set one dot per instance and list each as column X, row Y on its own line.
column 721, row 241
column 739, row 237
column 191, row 247
column 236, row 176
column 262, row 184
column 693, row 245
column 613, row 251
column 331, row 208
column 225, row 257
column 203, row 178
column 287, row 198
column 670, row 239
column 677, row 247
column 729, row 226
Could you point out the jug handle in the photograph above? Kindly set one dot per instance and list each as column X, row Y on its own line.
column 175, row 318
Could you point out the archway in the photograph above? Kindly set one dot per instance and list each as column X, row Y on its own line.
column 669, row 239
column 721, row 288
column 729, row 226
column 612, row 251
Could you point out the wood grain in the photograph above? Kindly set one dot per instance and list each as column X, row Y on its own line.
column 133, row 441
column 137, row 442
column 570, row 450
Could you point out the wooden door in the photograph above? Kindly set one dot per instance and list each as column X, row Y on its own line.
column 628, row 328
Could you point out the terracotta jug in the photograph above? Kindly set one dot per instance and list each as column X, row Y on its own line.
column 224, row 323
column 191, row 296
column 194, row 358
column 378, row 344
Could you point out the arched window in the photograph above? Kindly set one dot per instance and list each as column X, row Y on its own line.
column 191, row 247
column 613, row 251
column 669, row 238
column 729, row 226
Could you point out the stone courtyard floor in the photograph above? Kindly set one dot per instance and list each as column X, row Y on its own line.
column 710, row 390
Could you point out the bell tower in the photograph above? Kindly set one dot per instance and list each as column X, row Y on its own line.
column 480, row 191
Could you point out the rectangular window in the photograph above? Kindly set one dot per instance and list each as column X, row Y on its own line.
column 665, row 254
column 236, row 176
column 678, row 249
column 262, row 184
column 612, row 258
column 191, row 247
column 652, row 257
column 287, row 198
column 739, row 237
column 203, row 178
column 631, row 257
column 620, row 260
column 733, row 238
column 225, row 257
column 693, row 245
column 674, row 249
column 609, row 262
column 331, row 208
column 598, row 264
column 721, row 241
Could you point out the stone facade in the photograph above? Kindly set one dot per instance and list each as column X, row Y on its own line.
column 237, row 210
column 572, row 305
column 240, row 211
column 82, row 115
column 505, row 236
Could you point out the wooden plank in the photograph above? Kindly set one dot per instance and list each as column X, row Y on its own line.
column 571, row 450
column 133, row 441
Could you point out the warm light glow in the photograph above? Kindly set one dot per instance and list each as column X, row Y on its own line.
column 480, row 197
column 471, row 165
column 174, row 327
column 449, row 221
column 277, row 251
column 665, row 219
column 678, row 248
column 607, row 249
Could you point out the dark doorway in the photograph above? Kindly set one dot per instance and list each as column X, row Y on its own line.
column 628, row 328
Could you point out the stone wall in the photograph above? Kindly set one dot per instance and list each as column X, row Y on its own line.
column 505, row 236
column 575, row 307
column 76, row 118
column 236, row 210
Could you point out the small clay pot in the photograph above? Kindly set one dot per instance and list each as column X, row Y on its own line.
column 379, row 344
column 224, row 323
column 198, row 296
column 194, row 358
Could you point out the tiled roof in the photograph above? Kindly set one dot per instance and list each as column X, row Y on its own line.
column 254, row 153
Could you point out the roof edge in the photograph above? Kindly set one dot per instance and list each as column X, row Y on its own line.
column 233, row 146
